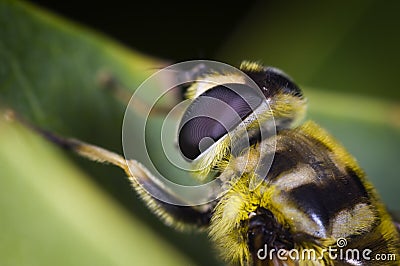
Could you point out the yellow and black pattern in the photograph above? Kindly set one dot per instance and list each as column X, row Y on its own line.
column 313, row 194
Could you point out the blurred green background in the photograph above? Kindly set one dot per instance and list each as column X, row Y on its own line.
column 59, row 209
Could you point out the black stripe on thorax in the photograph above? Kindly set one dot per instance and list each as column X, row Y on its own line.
column 334, row 189
column 283, row 162
column 294, row 148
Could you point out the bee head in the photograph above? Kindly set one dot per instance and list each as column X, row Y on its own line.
column 285, row 97
column 232, row 109
column 270, row 80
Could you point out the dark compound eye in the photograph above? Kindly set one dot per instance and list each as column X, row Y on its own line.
column 272, row 81
column 213, row 114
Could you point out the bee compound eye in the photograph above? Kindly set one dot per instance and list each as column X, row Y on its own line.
column 272, row 81
column 213, row 114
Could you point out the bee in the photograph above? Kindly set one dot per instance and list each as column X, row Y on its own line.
column 312, row 195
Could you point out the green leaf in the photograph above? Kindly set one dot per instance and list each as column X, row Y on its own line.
column 50, row 73
column 52, row 214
